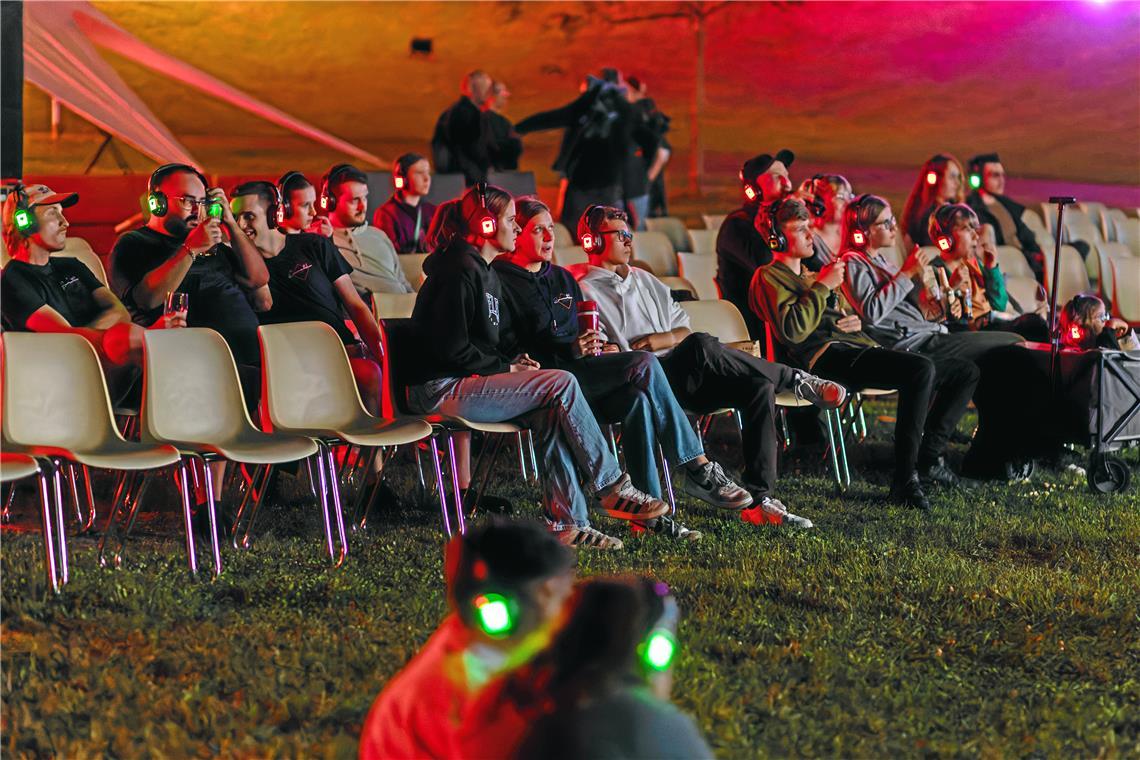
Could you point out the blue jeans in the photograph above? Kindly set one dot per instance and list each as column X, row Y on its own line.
column 632, row 388
column 638, row 210
column 552, row 405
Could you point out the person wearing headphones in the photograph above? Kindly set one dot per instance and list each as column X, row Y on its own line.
column 600, row 689
column 940, row 180
column 988, row 200
column 826, row 197
column 406, row 216
column 972, row 266
column 819, row 332
column 628, row 387
column 309, row 281
column 369, row 251
column 299, row 206
column 507, row 582
column 49, row 294
column 462, row 368
column 637, row 312
column 179, row 250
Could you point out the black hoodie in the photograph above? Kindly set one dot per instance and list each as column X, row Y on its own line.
column 543, row 309
column 458, row 317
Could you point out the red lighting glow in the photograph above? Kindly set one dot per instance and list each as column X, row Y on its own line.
column 488, row 226
column 932, row 178
column 945, row 243
column 399, row 183
column 749, row 192
column 858, row 237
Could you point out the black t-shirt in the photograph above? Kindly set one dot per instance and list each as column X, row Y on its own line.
column 301, row 281
column 64, row 283
column 217, row 300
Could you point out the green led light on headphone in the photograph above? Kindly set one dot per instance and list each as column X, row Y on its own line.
column 494, row 615
column 214, row 210
column 25, row 219
column 975, row 181
column 659, row 650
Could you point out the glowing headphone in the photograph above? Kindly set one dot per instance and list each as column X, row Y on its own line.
column 497, row 615
column 658, row 649
column 776, row 240
column 284, row 207
column 975, row 174
column 751, row 192
column 814, row 203
column 485, row 224
column 859, row 236
column 593, row 243
column 159, row 205
column 944, row 239
column 25, row 216
column 327, row 200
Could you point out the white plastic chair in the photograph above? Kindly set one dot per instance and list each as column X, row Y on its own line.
column 673, row 228
column 656, row 250
column 703, row 241
column 700, row 270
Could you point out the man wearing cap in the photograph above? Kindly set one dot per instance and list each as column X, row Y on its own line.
column 46, row 294
column 989, row 202
column 406, row 216
column 740, row 247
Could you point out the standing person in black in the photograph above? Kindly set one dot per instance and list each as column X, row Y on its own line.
column 406, row 217
column 993, row 207
column 175, row 252
column 504, row 146
column 595, row 146
column 651, row 154
column 457, row 144
column 309, row 282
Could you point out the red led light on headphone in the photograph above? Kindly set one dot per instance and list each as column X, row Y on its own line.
column 945, row 243
column 1076, row 334
column 399, row 183
column 588, row 242
column 749, row 192
column 932, row 178
column 858, row 237
column 488, row 226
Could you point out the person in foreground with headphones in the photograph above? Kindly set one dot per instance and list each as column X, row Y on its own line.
column 1086, row 325
column 637, row 312
column 310, row 281
column 819, row 332
column 988, row 200
column 973, row 268
column 826, row 197
column 940, row 180
column 375, row 266
column 174, row 252
column 46, row 294
column 600, row 689
column 628, row 387
column 406, row 216
column 299, row 206
column 463, row 369
column 507, row 582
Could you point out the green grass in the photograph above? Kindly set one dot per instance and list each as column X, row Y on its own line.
column 1004, row 623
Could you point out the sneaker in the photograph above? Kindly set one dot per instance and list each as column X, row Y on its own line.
column 624, row 502
column 825, row 394
column 909, row 493
column 771, row 511
column 668, row 527
column 587, row 538
column 938, row 474
column 712, row 485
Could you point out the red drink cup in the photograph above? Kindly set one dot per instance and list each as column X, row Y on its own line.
column 588, row 318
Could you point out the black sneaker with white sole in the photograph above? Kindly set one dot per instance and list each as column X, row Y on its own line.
column 667, row 526
column 712, row 485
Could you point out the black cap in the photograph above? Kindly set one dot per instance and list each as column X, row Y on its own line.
column 757, row 165
column 985, row 158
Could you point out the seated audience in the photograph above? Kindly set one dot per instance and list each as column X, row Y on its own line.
column 957, row 230
column 502, row 144
column 600, row 689
column 637, row 313
column 989, row 202
column 298, row 209
column 506, row 585
column 818, row 330
column 462, row 370
column 309, row 281
column 628, row 387
column 1085, row 324
column 406, row 216
column 939, row 181
column 826, row 197
column 48, row 294
column 371, row 254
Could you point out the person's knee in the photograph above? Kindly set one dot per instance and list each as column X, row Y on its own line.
column 922, row 371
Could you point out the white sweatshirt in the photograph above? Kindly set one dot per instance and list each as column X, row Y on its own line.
column 632, row 307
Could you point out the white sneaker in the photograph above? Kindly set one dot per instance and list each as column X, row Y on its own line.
column 712, row 485
column 771, row 511
column 587, row 538
column 624, row 502
column 826, row 394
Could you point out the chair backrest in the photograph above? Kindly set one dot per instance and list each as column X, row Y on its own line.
column 1112, row 220
column 307, row 378
column 1093, row 209
column 713, row 221
column 1049, row 216
column 54, row 392
column 673, row 228
column 1127, row 275
column 393, row 305
column 1012, row 262
column 704, row 241
column 570, row 255
column 413, row 266
column 1073, row 278
column 679, row 283
column 1025, row 290
column 1033, row 221
column 656, row 250
column 1128, row 232
column 191, row 390
column 78, row 248
column 700, row 270
column 1079, row 226
column 720, row 319
column 562, row 236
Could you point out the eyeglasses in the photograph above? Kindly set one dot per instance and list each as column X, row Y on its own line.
column 888, row 223
column 624, row 236
column 188, row 202
column 1100, row 317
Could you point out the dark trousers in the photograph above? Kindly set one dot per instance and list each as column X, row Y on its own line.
column 1028, row 326
column 967, row 345
column 707, row 376
column 922, row 428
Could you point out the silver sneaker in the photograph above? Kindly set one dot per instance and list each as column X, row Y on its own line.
column 826, row 394
column 712, row 485
column 667, row 526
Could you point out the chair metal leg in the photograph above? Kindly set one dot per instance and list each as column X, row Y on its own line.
column 6, row 515
column 433, row 443
column 340, row 554
column 182, row 478
column 43, row 475
column 60, row 523
column 211, row 510
column 831, row 447
column 667, row 478
column 124, row 510
column 460, row 521
column 365, row 496
column 255, row 491
column 785, row 434
column 533, row 457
